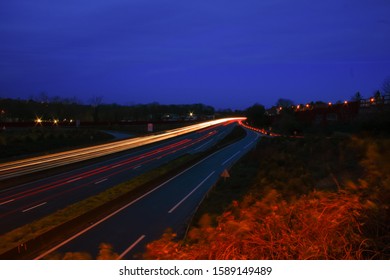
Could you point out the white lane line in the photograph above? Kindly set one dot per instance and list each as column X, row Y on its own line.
column 200, row 147
column 123, row 207
column 181, row 201
column 75, row 179
column 8, row 201
column 230, row 158
column 101, row 181
column 138, row 166
column 28, row 209
column 131, row 247
column 249, row 144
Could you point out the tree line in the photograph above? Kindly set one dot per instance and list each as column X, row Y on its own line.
column 18, row 110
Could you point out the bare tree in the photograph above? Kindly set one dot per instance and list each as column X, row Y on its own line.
column 357, row 96
column 43, row 97
column 96, row 100
column 386, row 86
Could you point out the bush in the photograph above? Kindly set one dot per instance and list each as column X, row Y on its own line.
column 310, row 199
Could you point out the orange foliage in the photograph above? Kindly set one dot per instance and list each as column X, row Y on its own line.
column 282, row 218
column 106, row 252
column 316, row 226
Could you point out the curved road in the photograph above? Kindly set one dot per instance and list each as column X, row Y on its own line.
column 169, row 205
column 25, row 203
column 30, row 165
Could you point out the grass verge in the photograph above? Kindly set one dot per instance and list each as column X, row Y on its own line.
column 312, row 198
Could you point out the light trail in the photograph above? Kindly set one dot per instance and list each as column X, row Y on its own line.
column 146, row 157
column 123, row 208
column 33, row 207
column 35, row 164
column 106, row 171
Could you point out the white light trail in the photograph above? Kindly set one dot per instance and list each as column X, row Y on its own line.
column 35, row 164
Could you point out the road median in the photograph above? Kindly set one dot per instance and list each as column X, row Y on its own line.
column 28, row 241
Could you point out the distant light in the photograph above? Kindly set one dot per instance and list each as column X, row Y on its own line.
column 38, row 120
column 330, row 103
column 298, row 106
column 307, row 105
column 280, row 108
column 55, row 121
column 372, row 99
column 191, row 114
column 345, row 102
column 70, row 120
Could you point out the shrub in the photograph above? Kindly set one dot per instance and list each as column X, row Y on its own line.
column 311, row 199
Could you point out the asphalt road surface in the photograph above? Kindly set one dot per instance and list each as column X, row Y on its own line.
column 25, row 203
column 169, row 205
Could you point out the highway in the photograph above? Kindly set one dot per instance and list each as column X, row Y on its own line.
column 35, row 164
column 168, row 205
column 22, row 204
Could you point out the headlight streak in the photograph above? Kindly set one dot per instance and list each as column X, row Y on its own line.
column 35, row 164
column 125, row 165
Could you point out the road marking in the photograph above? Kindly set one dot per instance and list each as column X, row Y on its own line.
column 75, row 179
column 8, row 201
column 123, row 207
column 200, row 147
column 181, row 201
column 101, row 181
column 131, row 247
column 28, row 209
column 230, row 158
column 249, row 144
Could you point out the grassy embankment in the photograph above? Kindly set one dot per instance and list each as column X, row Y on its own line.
column 312, row 198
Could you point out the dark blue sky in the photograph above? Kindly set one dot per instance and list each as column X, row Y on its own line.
column 224, row 53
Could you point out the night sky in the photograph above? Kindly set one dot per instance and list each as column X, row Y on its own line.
column 223, row 53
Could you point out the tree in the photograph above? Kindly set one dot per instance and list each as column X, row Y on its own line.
column 378, row 97
column 95, row 102
column 288, row 123
column 357, row 97
column 283, row 102
column 256, row 115
column 386, row 86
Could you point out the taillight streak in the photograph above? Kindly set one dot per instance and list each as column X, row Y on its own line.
column 90, row 173
column 170, row 149
column 106, row 176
